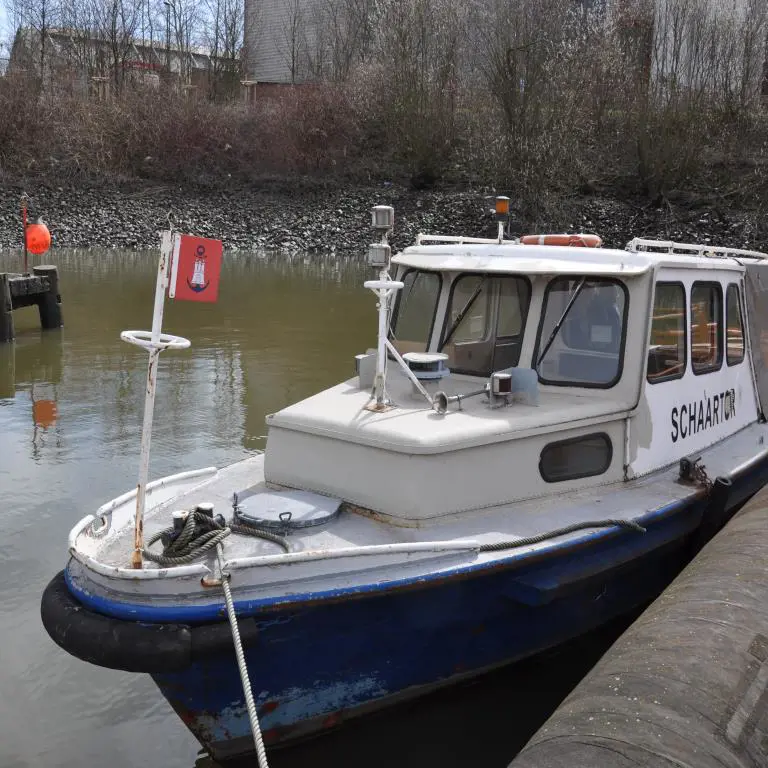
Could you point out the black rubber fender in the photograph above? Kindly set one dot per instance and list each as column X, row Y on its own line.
column 131, row 646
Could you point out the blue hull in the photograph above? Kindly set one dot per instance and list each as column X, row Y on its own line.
column 313, row 665
column 320, row 659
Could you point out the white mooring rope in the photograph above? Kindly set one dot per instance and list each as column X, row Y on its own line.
column 261, row 752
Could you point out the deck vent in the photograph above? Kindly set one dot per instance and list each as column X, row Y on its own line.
column 427, row 366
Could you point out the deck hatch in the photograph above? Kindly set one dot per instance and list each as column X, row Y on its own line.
column 284, row 510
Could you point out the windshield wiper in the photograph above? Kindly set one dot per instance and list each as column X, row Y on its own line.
column 559, row 323
column 457, row 322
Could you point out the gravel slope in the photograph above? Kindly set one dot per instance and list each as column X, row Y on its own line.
column 331, row 217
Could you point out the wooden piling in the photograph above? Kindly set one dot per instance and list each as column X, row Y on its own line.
column 6, row 310
column 8, row 371
column 49, row 303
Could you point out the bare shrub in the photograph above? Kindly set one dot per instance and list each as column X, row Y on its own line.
column 543, row 98
column 406, row 95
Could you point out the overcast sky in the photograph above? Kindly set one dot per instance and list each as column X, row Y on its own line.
column 5, row 32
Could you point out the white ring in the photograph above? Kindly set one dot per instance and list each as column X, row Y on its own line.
column 144, row 339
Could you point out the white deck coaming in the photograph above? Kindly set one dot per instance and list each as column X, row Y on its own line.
column 271, row 579
column 413, row 427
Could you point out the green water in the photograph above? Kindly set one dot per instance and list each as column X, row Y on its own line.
column 282, row 329
column 70, row 416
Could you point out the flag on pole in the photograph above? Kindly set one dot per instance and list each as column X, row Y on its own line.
column 195, row 269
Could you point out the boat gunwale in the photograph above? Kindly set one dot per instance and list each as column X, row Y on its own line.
column 532, row 555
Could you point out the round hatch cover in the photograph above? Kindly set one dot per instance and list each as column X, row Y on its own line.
column 283, row 510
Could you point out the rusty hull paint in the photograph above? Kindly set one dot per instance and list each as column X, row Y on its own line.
column 327, row 663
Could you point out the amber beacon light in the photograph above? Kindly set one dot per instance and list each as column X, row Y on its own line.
column 502, row 214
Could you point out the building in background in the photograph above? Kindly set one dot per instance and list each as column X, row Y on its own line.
column 287, row 42
column 675, row 43
column 278, row 38
column 85, row 63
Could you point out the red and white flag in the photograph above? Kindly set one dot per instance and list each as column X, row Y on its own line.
column 195, row 268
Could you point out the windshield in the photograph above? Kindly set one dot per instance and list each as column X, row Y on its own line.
column 415, row 311
column 581, row 338
column 485, row 322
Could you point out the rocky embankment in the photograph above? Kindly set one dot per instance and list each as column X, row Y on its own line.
column 318, row 217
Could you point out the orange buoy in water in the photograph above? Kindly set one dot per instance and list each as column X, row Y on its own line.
column 38, row 238
column 578, row 241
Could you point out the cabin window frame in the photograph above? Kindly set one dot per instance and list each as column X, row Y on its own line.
column 714, row 368
column 396, row 307
column 728, row 362
column 624, row 330
column 686, row 329
column 493, row 312
column 571, row 441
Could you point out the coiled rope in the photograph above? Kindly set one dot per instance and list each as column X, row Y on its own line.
column 200, row 533
column 528, row 540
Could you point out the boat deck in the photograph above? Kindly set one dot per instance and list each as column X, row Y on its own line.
column 352, row 528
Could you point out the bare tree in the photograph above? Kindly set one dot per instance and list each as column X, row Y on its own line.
column 116, row 24
column 33, row 20
column 294, row 30
column 77, row 19
column 420, row 53
column 224, row 35
column 343, row 33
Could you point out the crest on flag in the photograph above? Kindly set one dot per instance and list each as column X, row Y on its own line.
column 195, row 268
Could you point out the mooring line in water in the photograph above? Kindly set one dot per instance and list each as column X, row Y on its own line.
column 261, row 752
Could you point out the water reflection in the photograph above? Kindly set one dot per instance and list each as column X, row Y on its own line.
column 30, row 373
column 70, row 418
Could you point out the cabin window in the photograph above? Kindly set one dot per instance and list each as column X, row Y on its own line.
column 582, row 332
column 734, row 327
column 583, row 456
column 666, row 353
column 485, row 322
column 706, row 327
column 415, row 310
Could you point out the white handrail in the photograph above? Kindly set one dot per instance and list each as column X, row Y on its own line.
column 422, row 237
column 369, row 550
column 639, row 243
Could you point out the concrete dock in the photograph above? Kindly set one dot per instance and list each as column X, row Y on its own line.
column 687, row 684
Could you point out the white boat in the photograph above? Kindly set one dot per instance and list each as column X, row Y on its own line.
column 542, row 437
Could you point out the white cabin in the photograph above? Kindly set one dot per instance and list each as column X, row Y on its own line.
column 622, row 362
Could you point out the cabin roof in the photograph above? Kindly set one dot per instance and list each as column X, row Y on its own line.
column 548, row 259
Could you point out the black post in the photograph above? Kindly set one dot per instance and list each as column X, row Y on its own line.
column 49, row 303
column 7, row 332
column 8, row 370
